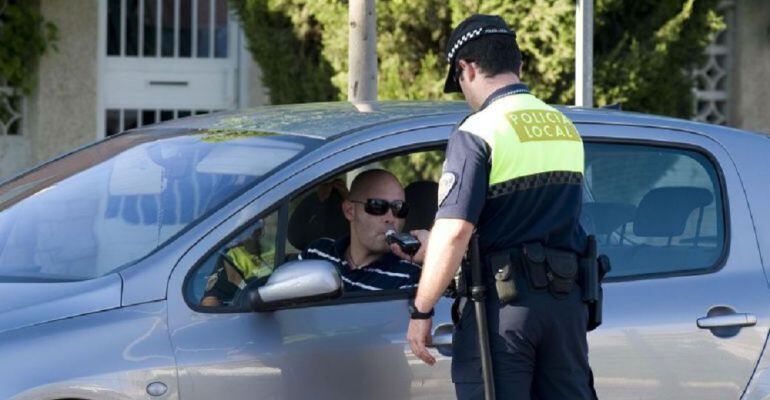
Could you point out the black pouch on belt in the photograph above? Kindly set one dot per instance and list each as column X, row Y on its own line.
column 505, row 279
column 563, row 270
column 534, row 260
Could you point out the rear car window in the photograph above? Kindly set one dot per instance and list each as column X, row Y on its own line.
column 654, row 210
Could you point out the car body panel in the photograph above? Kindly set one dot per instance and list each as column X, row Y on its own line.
column 306, row 353
column 29, row 303
column 317, row 120
column 750, row 152
column 113, row 354
column 649, row 345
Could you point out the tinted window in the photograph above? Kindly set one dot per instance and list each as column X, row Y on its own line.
column 110, row 204
column 654, row 210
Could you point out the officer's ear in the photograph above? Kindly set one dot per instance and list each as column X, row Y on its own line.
column 468, row 70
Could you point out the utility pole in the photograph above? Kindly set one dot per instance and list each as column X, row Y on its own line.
column 362, row 52
column 584, row 54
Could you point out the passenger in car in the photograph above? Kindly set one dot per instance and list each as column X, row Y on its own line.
column 375, row 205
column 237, row 265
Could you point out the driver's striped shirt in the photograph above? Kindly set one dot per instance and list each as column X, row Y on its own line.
column 389, row 272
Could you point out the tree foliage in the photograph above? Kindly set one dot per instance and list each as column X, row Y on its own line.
column 644, row 50
column 24, row 37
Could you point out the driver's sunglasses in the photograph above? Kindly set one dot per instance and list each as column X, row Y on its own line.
column 380, row 207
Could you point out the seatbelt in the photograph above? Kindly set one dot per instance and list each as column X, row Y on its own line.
column 478, row 295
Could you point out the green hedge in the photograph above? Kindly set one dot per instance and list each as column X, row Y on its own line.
column 644, row 49
column 24, row 37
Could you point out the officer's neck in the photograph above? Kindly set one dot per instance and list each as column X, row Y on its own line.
column 487, row 85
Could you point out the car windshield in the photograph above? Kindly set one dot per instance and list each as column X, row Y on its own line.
column 110, row 204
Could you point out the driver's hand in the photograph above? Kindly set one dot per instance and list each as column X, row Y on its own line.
column 422, row 235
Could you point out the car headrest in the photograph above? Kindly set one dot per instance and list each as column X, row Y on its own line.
column 607, row 217
column 664, row 211
column 315, row 218
column 422, row 198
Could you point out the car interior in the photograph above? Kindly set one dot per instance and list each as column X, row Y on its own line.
column 663, row 214
column 317, row 213
column 315, row 217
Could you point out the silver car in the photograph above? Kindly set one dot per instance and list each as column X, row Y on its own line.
column 106, row 254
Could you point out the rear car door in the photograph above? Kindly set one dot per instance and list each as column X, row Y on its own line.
column 351, row 348
column 685, row 311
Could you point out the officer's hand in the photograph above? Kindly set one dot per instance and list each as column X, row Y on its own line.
column 422, row 235
column 419, row 337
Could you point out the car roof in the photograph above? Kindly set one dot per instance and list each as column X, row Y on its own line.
column 318, row 120
column 331, row 120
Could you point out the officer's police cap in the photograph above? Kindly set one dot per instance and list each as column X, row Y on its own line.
column 471, row 28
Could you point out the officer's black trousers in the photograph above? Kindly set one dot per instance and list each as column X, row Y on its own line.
column 538, row 345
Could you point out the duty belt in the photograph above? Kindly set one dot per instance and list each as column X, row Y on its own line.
column 543, row 268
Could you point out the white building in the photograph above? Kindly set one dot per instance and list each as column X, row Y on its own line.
column 127, row 63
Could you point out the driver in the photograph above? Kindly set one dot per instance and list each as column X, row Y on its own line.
column 365, row 260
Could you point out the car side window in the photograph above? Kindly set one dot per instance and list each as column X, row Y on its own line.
column 250, row 256
column 654, row 210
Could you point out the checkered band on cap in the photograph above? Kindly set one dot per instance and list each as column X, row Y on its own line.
column 471, row 35
column 461, row 41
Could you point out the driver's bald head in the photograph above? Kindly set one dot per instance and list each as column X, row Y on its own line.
column 368, row 181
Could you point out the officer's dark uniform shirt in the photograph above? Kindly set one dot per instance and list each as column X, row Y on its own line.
column 389, row 272
column 541, row 207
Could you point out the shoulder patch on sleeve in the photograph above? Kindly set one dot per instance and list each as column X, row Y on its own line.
column 445, row 185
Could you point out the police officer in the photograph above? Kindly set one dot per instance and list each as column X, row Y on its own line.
column 513, row 172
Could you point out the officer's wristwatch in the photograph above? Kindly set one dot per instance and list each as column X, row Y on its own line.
column 414, row 313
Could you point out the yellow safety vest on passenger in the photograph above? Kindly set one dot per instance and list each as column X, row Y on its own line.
column 249, row 265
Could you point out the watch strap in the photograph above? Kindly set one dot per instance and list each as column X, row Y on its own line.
column 415, row 313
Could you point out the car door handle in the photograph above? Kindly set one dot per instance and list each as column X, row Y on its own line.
column 169, row 83
column 442, row 339
column 727, row 321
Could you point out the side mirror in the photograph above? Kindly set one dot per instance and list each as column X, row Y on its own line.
column 296, row 283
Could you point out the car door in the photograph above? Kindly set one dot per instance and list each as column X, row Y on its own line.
column 351, row 348
column 685, row 312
